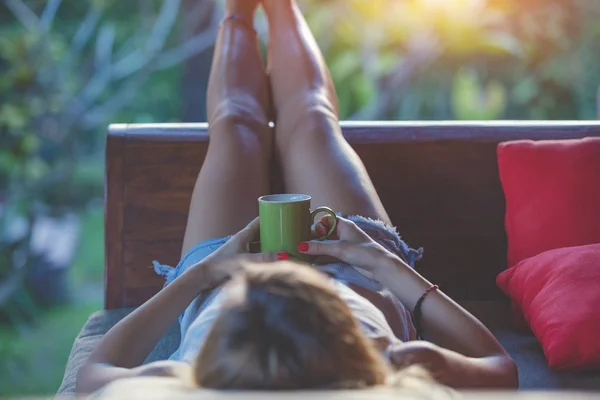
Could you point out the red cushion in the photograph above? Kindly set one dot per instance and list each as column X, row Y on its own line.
column 557, row 292
column 552, row 191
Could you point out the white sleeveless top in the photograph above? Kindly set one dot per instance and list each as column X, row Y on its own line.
column 201, row 317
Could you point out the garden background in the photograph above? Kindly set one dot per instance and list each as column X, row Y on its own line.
column 68, row 68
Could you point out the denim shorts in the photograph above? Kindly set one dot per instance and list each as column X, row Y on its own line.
column 381, row 232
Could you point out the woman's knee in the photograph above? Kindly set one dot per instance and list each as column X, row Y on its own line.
column 241, row 109
column 241, row 122
column 315, row 124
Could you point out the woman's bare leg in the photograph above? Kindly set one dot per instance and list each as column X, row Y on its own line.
column 236, row 169
column 315, row 157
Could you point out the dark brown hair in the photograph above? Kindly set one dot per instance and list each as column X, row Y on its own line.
column 284, row 327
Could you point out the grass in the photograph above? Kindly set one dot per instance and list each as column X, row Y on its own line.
column 33, row 358
column 33, row 362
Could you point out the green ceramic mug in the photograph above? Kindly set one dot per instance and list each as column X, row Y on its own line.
column 286, row 220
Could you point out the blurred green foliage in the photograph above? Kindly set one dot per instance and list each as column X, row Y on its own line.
column 462, row 59
column 390, row 59
column 67, row 69
column 32, row 362
column 33, row 356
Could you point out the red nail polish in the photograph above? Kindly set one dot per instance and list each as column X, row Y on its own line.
column 283, row 256
column 321, row 230
column 303, row 246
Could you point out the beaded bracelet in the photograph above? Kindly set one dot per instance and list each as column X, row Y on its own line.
column 417, row 313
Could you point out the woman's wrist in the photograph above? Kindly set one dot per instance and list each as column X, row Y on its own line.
column 211, row 273
column 387, row 264
column 200, row 275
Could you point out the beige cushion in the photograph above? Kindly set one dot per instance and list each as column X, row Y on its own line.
column 170, row 388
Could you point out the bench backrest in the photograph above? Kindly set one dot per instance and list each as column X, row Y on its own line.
column 438, row 181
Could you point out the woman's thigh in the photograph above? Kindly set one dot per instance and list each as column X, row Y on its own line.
column 317, row 160
column 234, row 175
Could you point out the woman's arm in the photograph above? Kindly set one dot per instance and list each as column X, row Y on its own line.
column 469, row 354
column 444, row 321
column 128, row 343
column 454, row 369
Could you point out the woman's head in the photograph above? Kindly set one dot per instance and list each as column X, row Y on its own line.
column 284, row 327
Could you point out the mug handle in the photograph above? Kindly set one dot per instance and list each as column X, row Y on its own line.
column 329, row 211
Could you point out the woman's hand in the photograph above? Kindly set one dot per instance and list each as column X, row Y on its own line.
column 239, row 247
column 424, row 354
column 454, row 369
column 232, row 257
column 354, row 246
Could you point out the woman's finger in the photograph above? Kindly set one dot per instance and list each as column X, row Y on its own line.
column 248, row 235
column 322, row 227
column 253, row 227
column 319, row 230
column 322, row 248
column 327, row 221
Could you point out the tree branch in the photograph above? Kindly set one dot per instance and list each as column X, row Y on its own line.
column 163, row 26
column 422, row 54
column 140, row 62
column 187, row 50
column 104, row 47
column 129, row 64
column 104, row 75
column 84, row 31
column 49, row 14
column 128, row 47
column 118, row 101
column 136, row 60
column 24, row 14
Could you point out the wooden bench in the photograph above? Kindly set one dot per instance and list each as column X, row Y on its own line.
column 438, row 181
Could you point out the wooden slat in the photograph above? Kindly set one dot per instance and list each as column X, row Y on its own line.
column 414, row 190
column 188, row 155
column 146, row 178
column 450, row 188
column 146, row 223
column 113, row 222
column 138, row 257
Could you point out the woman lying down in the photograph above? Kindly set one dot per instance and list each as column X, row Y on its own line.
column 267, row 323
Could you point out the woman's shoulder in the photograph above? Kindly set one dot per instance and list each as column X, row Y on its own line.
column 165, row 369
column 143, row 387
column 151, row 380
